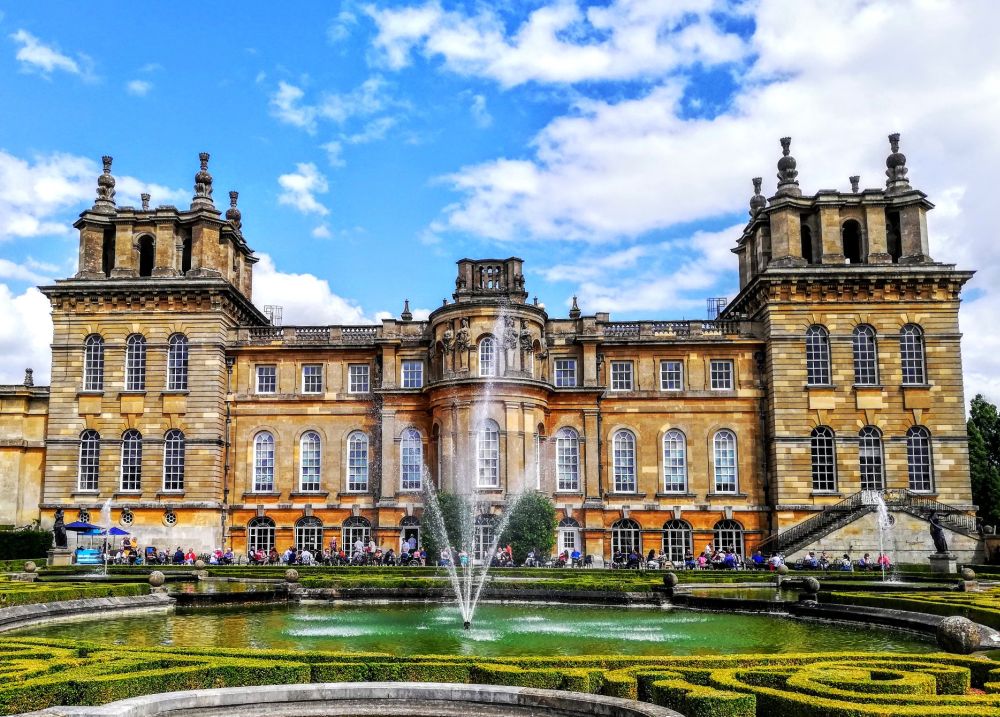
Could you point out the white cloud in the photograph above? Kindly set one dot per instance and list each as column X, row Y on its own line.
column 25, row 335
column 372, row 97
column 561, row 42
column 480, row 115
column 301, row 187
column 304, row 298
column 285, row 105
column 139, row 88
column 23, row 272
column 372, row 131
column 321, row 232
column 334, row 153
column 341, row 27
column 36, row 56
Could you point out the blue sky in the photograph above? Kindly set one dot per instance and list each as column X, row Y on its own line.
column 609, row 144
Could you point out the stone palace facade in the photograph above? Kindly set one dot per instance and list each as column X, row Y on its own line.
column 834, row 376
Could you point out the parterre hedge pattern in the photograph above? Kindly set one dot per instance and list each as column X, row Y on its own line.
column 982, row 607
column 18, row 593
column 36, row 673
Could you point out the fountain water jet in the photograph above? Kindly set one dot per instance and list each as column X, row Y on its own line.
column 885, row 527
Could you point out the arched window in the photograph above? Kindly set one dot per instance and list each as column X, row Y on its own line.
column 135, row 363
column 865, row 356
column 173, row 460
column 729, row 534
column 623, row 457
column 911, row 354
column 724, row 452
column 674, row 462
column 309, row 534
column 870, row 459
column 147, row 255
column 131, row 476
column 677, row 541
column 488, row 456
column 263, row 463
column 260, row 534
column 310, row 460
column 824, row 460
column 567, row 460
column 851, row 234
column 485, row 537
column 625, row 537
column 569, row 536
column 411, row 460
column 90, row 460
column 817, row 356
column 918, row 460
column 488, row 356
column 177, row 363
column 356, row 529
column 357, row 462
column 93, row 363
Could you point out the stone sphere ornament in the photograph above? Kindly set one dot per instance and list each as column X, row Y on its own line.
column 291, row 575
column 959, row 635
column 156, row 579
column 782, row 569
column 30, row 567
column 199, row 564
column 810, row 584
column 968, row 574
column 670, row 579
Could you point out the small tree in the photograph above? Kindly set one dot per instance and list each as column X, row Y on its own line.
column 453, row 509
column 984, row 458
column 532, row 526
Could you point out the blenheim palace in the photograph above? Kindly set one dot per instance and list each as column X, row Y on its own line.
column 833, row 378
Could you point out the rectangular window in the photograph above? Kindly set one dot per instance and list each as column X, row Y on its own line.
column 267, row 379
column 413, row 374
column 621, row 375
column 565, row 373
column 722, row 375
column 358, row 378
column 671, row 375
column 312, row 378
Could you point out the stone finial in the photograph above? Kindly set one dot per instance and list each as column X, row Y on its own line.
column 29, row 377
column 896, row 169
column 757, row 201
column 855, row 183
column 203, row 185
column 407, row 315
column 105, row 202
column 145, row 201
column 233, row 214
column 574, row 310
column 788, row 185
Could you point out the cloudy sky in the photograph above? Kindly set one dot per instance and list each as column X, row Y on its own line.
column 609, row 144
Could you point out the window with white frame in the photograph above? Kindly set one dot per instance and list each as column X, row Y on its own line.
column 621, row 376
column 310, row 461
column 565, row 373
column 90, row 461
column 674, row 462
column 626, row 537
column 817, row 356
column 309, row 533
column 729, row 535
column 131, row 475
column 93, row 363
column 312, row 378
column 413, row 374
column 355, row 529
column 865, row 356
column 177, row 363
column 623, row 459
column 569, row 535
column 567, row 460
column 911, row 354
column 411, row 460
column 918, row 460
column 263, row 463
column 357, row 462
column 671, row 375
column 260, row 534
column 724, row 453
column 485, row 536
column 267, row 378
column 721, row 374
column 488, row 456
column 173, row 461
column 871, row 459
column 824, row 460
column 135, row 363
column 678, row 541
column 357, row 377
column 488, row 356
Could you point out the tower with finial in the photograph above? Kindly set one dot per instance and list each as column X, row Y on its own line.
column 895, row 171
column 574, row 310
column 757, row 201
column 233, row 214
column 788, row 185
column 105, row 202
column 202, row 185
column 407, row 315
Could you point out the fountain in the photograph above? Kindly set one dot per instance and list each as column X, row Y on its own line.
column 106, row 522
column 885, row 527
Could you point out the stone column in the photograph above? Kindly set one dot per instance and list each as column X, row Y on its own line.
column 166, row 262
column 913, row 231
column 829, row 228
column 591, row 466
column 390, row 456
column 91, row 252
column 878, row 244
column 126, row 254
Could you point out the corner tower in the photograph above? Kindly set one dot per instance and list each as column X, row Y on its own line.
column 862, row 363
column 139, row 370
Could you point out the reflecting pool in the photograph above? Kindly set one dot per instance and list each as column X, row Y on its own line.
column 499, row 629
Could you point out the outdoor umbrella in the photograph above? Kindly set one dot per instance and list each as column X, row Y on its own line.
column 78, row 526
column 115, row 531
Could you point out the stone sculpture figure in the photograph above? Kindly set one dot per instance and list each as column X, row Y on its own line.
column 462, row 339
column 525, row 337
column 509, row 333
column 937, row 534
column 59, row 529
column 448, row 340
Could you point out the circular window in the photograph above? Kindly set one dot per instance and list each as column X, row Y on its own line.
column 83, row 516
column 169, row 517
column 126, row 517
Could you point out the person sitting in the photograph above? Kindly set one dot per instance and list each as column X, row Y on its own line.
column 272, row 556
column 865, row 562
column 178, row 556
column 190, row 557
column 730, row 561
column 757, row 560
column 307, row 557
column 845, row 563
column 810, row 562
column 633, row 560
column 576, row 559
column 883, row 561
column 228, row 557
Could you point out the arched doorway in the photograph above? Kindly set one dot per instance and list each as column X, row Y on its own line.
column 409, row 533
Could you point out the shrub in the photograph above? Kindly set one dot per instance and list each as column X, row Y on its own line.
column 24, row 544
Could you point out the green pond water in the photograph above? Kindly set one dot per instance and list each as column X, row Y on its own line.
column 522, row 629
